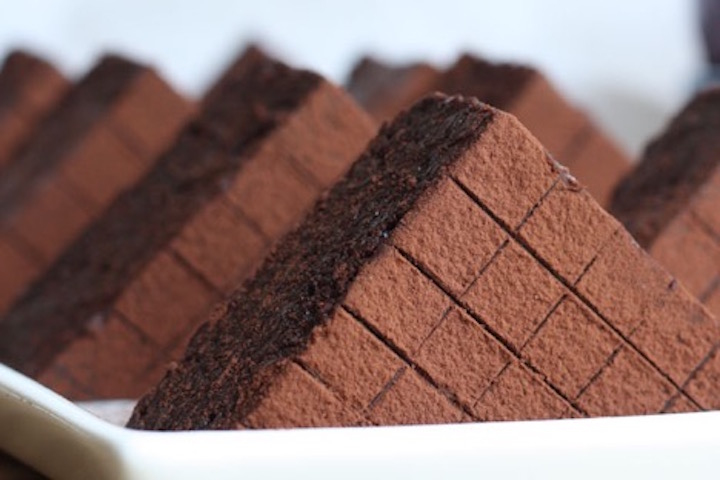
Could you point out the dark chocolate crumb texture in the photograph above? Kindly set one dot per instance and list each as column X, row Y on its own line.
column 119, row 305
column 102, row 136
column 457, row 273
column 523, row 91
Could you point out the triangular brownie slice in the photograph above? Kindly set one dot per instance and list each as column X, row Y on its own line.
column 110, row 315
column 456, row 273
column 671, row 205
column 29, row 88
column 103, row 135
column 521, row 90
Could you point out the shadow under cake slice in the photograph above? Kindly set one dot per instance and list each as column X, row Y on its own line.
column 523, row 91
column 103, row 135
column 456, row 273
column 117, row 307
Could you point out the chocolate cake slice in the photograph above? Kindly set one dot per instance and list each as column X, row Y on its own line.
column 523, row 91
column 673, row 169
column 104, row 134
column 456, row 273
column 29, row 88
column 114, row 310
column 670, row 204
column 385, row 89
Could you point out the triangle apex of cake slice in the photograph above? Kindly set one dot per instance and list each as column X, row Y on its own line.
column 454, row 274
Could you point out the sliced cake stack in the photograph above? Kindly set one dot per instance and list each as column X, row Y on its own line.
column 564, row 130
column 29, row 88
column 119, row 305
column 101, row 137
column 454, row 272
column 457, row 273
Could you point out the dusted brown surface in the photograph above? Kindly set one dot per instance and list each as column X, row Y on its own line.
column 670, row 200
column 704, row 384
column 462, row 357
column 168, row 292
column 297, row 399
column 672, row 169
column 219, row 228
column 704, row 203
column 189, row 231
column 571, row 346
column 597, row 163
column 680, row 404
column 29, row 89
column 690, row 252
column 628, row 385
column 18, row 269
column 567, row 229
column 624, row 284
column 355, row 277
column 102, row 165
column 84, row 104
column 397, row 299
column 350, row 359
column 450, row 235
column 514, row 274
column 690, row 247
column 410, row 400
column 518, row 394
column 314, row 285
column 80, row 158
column 564, row 130
column 678, row 340
column 98, row 363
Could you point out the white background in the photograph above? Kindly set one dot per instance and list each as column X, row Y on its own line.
column 630, row 63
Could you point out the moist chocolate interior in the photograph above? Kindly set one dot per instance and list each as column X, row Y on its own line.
column 671, row 170
column 497, row 84
column 76, row 113
column 257, row 95
column 230, row 362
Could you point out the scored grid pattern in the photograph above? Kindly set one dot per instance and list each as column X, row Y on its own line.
column 218, row 247
column 107, row 159
column 608, row 370
column 689, row 247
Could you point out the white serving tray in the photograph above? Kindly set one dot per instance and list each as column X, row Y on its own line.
column 64, row 441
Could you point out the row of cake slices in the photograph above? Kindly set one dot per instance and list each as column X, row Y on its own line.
column 255, row 262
